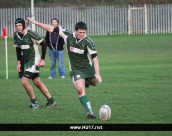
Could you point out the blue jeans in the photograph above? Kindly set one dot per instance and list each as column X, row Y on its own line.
column 59, row 55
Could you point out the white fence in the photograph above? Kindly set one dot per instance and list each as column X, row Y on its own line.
column 101, row 20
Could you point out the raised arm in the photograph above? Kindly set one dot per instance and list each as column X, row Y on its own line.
column 47, row 27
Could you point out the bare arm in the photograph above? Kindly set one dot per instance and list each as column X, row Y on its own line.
column 18, row 66
column 47, row 27
column 96, row 67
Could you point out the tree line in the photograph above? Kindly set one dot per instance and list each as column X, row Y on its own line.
column 82, row 3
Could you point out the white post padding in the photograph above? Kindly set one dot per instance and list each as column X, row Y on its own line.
column 6, row 57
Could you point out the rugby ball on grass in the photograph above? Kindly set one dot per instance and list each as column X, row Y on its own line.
column 105, row 112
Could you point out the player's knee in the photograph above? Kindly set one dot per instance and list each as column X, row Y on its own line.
column 80, row 91
column 37, row 83
column 93, row 82
column 24, row 83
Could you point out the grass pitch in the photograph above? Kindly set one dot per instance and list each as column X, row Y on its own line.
column 137, row 85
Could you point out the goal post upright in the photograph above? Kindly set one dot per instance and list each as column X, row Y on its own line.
column 145, row 29
column 146, row 25
column 129, row 20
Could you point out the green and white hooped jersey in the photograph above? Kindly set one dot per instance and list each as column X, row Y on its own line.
column 29, row 46
column 78, row 51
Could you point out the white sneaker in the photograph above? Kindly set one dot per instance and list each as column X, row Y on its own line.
column 62, row 76
column 50, row 77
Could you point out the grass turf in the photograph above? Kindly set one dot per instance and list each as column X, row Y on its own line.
column 136, row 72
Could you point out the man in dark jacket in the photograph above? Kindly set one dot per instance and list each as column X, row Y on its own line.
column 56, row 51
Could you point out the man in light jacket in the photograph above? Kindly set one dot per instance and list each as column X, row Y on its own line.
column 56, row 51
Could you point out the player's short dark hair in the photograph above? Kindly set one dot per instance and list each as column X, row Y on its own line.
column 80, row 25
column 55, row 19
